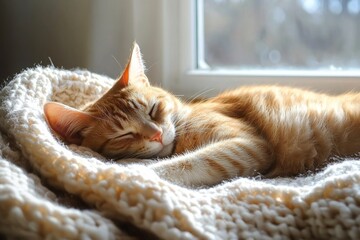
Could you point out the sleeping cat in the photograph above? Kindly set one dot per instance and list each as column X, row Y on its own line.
column 268, row 130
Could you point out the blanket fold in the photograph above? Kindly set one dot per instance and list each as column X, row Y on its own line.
column 321, row 205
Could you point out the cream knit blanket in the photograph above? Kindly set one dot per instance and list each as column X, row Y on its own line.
column 321, row 205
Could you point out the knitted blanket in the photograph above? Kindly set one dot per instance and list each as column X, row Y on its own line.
column 51, row 190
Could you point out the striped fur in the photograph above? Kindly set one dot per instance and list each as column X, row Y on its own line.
column 268, row 130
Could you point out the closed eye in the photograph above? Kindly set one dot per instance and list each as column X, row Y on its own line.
column 125, row 136
column 153, row 110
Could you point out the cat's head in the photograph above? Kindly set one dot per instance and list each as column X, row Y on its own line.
column 133, row 119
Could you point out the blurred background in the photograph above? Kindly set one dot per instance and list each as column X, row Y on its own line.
column 281, row 34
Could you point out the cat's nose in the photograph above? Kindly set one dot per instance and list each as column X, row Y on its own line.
column 157, row 137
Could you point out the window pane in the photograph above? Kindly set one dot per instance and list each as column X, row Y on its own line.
column 278, row 34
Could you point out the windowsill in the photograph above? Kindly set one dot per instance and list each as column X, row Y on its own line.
column 279, row 73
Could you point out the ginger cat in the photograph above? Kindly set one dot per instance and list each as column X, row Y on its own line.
column 268, row 130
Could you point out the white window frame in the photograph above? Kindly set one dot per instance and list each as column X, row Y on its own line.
column 178, row 71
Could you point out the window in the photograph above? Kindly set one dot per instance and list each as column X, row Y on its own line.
column 278, row 34
column 208, row 46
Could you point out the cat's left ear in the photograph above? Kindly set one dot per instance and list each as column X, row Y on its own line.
column 67, row 122
column 134, row 73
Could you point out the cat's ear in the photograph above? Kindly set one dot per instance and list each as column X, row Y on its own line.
column 67, row 122
column 134, row 73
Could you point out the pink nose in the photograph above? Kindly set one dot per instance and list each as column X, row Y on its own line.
column 157, row 137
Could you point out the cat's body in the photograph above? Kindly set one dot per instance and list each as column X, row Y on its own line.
column 274, row 131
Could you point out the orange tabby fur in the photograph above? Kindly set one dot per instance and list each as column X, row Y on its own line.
column 274, row 131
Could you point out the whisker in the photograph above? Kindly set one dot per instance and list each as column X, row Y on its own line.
column 52, row 64
column 117, row 61
column 200, row 93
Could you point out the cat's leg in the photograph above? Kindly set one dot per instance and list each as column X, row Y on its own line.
column 217, row 162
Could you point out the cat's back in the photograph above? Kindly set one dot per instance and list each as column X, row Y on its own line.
column 269, row 96
column 280, row 112
column 278, row 104
column 264, row 107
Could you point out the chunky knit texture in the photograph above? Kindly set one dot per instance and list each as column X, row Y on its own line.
column 321, row 205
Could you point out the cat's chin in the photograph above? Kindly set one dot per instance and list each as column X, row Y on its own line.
column 166, row 150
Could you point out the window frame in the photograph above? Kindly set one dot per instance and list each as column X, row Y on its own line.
column 180, row 75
